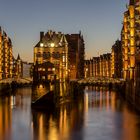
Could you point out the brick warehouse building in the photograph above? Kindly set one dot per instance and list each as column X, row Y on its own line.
column 65, row 52
column 6, row 56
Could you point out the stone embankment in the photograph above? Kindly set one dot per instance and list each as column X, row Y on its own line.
column 6, row 85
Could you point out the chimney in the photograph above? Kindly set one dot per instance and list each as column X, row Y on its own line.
column 131, row 2
column 41, row 35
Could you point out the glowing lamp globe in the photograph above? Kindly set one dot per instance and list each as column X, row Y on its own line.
column 52, row 44
column 41, row 44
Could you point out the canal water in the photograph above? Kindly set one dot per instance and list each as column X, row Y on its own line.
column 97, row 114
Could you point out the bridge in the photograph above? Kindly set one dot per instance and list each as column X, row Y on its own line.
column 17, row 80
column 73, row 87
column 12, row 83
column 100, row 81
column 51, row 94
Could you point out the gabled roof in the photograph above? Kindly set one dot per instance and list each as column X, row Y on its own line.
column 51, row 36
column 37, row 45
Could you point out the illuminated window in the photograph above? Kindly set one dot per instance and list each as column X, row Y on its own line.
column 39, row 69
column 63, row 58
column 43, row 77
column 53, row 69
column 49, row 77
column 49, row 69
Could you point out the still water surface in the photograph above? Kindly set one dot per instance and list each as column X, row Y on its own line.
column 97, row 115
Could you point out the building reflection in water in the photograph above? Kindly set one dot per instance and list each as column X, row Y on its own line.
column 61, row 123
column 60, row 89
column 122, row 118
column 40, row 90
column 15, row 115
column 100, row 97
column 96, row 114
column 5, row 118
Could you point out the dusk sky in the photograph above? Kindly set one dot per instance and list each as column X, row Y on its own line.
column 100, row 22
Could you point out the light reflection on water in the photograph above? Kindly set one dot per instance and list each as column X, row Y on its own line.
column 98, row 114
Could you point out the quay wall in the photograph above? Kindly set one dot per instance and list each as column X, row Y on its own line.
column 7, row 87
column 132, row 93
column 4, row 88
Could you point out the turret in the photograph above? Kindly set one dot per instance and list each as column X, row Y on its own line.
column 41, row 35
column 18, row 57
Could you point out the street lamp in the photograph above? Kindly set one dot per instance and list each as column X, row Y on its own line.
column 52, row 44
column 41, row 44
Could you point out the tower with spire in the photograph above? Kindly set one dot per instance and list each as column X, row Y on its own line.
column 18, row 67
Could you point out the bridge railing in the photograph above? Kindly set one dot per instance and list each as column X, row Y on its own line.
column 18, row 80
column 92, row 80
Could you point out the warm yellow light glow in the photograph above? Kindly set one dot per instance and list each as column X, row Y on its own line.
column 52, row 44
column 41, row 44
column 132, row 61
column 40, row 86
column 53, row 69
column 132, row 32
column 132, row 41
column 63, row 58
column 132, row 50
column 125, row 50
column 132, row 23
column 132, row 11
column 125, row 65
column 86, row 101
